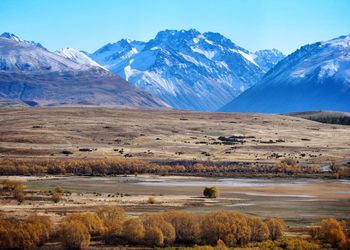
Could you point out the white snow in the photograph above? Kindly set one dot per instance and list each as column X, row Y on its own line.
column 329, row 69
column 340, row 41
column 156, row 78
column 194, row 61
column 78, row 57
column 206, row 53
column 248, row 57
column 298, row 73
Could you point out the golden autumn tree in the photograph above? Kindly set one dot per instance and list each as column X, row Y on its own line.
column 113, row 218
column 276, row 228
column 133, row 230
column 74, row 235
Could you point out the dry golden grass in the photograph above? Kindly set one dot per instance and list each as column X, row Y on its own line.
column 166, row 135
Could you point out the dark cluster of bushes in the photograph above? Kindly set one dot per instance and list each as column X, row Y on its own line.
column 119, row 166
column 211, row 192
column 326, row 117
column 342, row 120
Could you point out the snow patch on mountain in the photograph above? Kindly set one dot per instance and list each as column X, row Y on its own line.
column 78, row 57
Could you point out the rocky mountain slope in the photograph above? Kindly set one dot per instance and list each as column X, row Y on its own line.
column 315, row 77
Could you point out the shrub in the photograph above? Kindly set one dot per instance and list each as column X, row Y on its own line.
column 151, row 200
column 56, row 197
column 154, row 237
column 16, row 188
column 74, row 235
column 25, row 234
column 276, row 228
column 331, row 231
column 186, row 225
column 230, row 227
column 112, row 218
column 133, row 230
column 211, row 192
column 259, row 230
column 42, row 226
column 91, row 221
column 59, row 190
column 157, row 220
column 18, row 192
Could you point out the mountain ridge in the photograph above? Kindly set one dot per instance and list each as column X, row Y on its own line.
column 186, row 69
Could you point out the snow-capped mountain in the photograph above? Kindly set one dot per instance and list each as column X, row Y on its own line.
column 186, row 69
column 315, row 77
column 78, row 57
column 19, row 55
column 36, row 76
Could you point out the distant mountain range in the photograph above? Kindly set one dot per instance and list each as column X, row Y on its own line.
column 187, row 69
column 315, row 77
column 31, row 74
column 182, row 69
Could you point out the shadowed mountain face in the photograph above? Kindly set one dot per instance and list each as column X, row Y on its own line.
column 74, row 88
column 36, row 76
column 188, row 69
column 315, row 77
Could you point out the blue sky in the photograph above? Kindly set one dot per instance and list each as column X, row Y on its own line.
column 252, row 24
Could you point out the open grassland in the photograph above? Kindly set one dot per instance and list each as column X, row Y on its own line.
column 167, row 136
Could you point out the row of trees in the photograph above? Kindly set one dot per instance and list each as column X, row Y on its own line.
column 162, row 229
column 165, row 229
column 120, row 166
column 168, row 228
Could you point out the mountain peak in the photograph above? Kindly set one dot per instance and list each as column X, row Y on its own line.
column 10, row 36
column 183, row 34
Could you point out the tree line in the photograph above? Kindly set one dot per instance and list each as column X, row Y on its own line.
column 118, row 166
column 166, row 229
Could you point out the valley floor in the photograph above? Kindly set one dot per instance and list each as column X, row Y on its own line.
column 48, row 133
